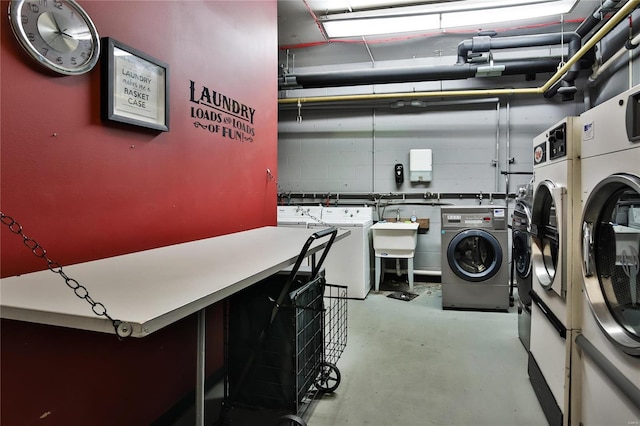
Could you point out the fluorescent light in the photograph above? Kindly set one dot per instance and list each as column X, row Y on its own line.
column 503, row 14
column 372, row 8
column 462, row 13
column 372, row 26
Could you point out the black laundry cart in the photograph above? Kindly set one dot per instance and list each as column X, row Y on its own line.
column 283, row 337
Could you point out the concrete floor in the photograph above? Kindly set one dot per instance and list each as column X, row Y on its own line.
column 412, row 363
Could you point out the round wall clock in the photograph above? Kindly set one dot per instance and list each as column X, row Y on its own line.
column 58, row 34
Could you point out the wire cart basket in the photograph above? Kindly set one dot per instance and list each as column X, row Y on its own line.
column 283, row 338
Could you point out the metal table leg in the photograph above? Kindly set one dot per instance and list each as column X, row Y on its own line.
column 200, row 366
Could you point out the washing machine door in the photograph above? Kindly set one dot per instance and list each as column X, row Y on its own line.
column 522, row 241
column 521, row 254
column 610, row 259
column 522, row 263
column 547, row 230
column 474, row 255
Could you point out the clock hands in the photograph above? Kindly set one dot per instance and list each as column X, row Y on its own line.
column 54, row 35
column 59, row 30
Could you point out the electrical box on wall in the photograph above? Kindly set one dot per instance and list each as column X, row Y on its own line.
column 420, row 165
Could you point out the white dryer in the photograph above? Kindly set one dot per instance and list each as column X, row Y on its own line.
column 349, row 262
column 609, row 343
column 299, row 217
column 556, row 202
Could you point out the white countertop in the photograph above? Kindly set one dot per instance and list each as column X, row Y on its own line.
column 154, row 288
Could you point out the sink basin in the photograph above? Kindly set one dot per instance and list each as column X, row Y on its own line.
column 395, row 239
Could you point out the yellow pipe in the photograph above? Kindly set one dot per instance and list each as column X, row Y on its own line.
column 612, row 22
column 608, row 26
column 478, row 92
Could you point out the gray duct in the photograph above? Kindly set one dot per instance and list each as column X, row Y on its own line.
column 469, row 49
column 482, row 44
column 461, row 70
column 431, row 73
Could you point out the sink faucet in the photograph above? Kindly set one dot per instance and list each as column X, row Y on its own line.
column 398, row 215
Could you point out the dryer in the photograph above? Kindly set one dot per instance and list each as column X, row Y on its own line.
column 475, row 258
column 556, row 202
column 349, row 263
column 610, row 264
column 298, row 216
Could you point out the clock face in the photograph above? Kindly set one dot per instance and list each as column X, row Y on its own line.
column 57, row 33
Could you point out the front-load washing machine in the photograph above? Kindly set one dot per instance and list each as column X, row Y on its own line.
column 554, row 231
column 475, row 258
column 521, row 259
column 609, row 343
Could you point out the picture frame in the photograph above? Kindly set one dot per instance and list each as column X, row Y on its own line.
column 135, row 87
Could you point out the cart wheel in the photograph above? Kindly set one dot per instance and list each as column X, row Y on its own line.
column 329, row 378
column 291, row 420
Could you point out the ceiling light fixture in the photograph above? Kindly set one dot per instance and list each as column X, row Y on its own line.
column 383, row 25
column 446, row 15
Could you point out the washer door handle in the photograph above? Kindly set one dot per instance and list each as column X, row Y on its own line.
column 587, row 248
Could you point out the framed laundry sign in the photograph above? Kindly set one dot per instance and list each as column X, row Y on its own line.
column 135, row 87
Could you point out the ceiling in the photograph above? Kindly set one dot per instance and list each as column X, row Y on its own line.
column 302, row 44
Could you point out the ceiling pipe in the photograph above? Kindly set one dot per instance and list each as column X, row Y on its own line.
column 598, row 72
column 406, row 102
column 605, row 29
column 619, row 37
column 432, row 73
column 589, row 44
column 596, row 17
column 464, row 67
column 483, row 44
column 457, row 71
column 565, row 85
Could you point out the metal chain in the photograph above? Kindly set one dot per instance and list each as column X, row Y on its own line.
column 122, row 329
column 272, row 178
column 318, row 221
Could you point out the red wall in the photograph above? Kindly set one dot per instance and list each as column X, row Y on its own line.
column 86, row 189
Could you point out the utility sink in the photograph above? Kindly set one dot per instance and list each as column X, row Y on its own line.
column 395, row 239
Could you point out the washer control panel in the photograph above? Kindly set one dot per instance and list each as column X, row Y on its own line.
column 491, row 218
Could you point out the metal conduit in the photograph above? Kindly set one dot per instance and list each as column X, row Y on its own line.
column 617, row 378
column 497, row 158
column 508, row 159
column 606, row 28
